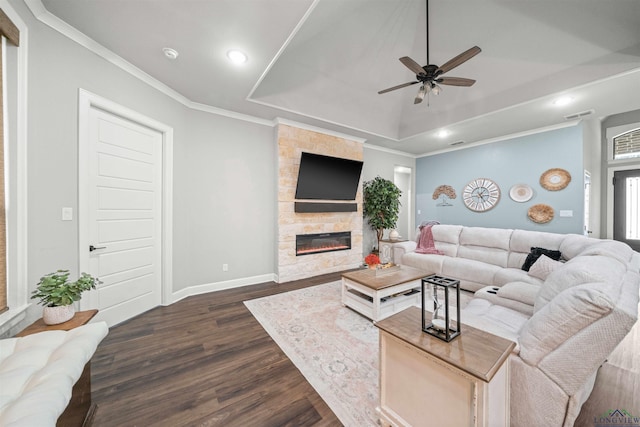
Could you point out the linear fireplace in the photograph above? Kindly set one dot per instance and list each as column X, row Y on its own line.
column 307, row 244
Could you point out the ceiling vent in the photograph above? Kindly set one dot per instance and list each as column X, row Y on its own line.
column 457, row 143
column 579, row 115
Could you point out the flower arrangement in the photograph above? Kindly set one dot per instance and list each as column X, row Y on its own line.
column 372, row 259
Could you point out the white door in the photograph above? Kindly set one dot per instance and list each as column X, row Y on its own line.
column 124, row 195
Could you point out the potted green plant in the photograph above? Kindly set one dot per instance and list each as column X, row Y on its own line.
column 381, row 204
column 57, row 294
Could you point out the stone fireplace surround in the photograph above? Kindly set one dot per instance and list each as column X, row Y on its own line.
column 291, row 142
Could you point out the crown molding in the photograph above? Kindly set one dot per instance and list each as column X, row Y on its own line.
column 503, row 138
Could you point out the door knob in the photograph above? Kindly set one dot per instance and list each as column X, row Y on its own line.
column 93, row 248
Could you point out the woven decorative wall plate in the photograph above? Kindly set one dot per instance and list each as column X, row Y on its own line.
column 540, row 213
column 521, row 193
column 555, row 179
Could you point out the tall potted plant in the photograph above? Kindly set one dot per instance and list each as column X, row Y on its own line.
column 57, row 294
column 381, row 204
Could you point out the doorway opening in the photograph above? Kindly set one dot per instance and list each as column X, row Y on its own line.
column 626, row 207
column 402, row 177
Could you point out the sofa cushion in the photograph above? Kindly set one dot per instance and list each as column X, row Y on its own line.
column 537, row 253
column 39, row 371
column 573, row 244
column 520, row 291
column 493, row 318
column 507, row 275
column 611, row 249
column 431, row 263
column 492, row 294
column 578, row 271
column 523, row 240
column 469, row 270
column 565, row 316
column 543, row 267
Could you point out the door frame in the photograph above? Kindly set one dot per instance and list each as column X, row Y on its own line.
column 609, row 188
column 86, row 101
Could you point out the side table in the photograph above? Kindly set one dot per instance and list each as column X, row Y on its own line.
column 385, row 248
column 79, row 319
column 81, row 410
column 425, row 381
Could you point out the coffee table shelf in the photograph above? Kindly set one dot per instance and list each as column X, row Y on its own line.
column 378, row 296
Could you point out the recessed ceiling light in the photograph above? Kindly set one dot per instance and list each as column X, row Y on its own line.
column 442, row 134
column 237, row 57
column 170, row 53
column 563, row 100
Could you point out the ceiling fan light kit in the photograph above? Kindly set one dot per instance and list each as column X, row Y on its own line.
column 431, row 75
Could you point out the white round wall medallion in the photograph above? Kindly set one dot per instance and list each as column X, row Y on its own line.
column 521, row 193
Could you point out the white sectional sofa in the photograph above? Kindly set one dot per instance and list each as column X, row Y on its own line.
column 565, row 316
column 38, row 373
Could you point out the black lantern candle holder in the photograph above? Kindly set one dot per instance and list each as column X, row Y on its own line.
column 441, row 325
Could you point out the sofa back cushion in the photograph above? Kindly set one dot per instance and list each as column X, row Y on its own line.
column 579, row 270
column 610, row 248
column 523, row 240
column 447, row 238
column 488, row 245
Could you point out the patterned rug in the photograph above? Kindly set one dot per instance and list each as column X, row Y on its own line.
column 335, row 348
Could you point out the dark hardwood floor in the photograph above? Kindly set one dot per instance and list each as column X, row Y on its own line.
column 205, row 361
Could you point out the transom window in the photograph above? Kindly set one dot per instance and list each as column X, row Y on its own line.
column 627, row 145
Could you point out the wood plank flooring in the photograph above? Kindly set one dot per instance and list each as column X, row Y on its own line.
column 205, row 361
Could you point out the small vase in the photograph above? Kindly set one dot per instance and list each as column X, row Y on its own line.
column 59, row 314
column 394, row 235
column 372, row 266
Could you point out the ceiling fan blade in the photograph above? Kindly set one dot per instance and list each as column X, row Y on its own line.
column 458, row 60
column 456, row 81
column 397, row 87
column 412, row 65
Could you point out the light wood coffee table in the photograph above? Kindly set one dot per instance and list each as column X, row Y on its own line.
column 377, row 294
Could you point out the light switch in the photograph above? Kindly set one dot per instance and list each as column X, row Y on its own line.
column 566, row 213
column 67, row 214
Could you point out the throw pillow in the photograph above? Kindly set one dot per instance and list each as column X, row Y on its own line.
column 543, row 267
column 536, row 253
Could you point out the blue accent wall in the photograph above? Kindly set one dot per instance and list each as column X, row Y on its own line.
column 520, row 160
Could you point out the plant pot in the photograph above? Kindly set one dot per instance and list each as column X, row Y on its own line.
column 59, row 314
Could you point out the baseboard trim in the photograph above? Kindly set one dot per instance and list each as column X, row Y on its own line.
column 220, row 286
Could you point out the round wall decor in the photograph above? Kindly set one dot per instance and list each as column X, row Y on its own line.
column 481, row 194
column 540, row 213
column 521, row 193
column 555, row 179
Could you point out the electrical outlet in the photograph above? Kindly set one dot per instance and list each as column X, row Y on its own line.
column 225, row 267
column 67, row 214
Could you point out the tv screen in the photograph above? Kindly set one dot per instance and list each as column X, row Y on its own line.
column 327, row 178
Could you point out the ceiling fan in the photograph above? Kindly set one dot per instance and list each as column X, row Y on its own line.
column 431, row 75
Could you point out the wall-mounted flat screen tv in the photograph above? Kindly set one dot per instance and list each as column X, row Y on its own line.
column 327, row 178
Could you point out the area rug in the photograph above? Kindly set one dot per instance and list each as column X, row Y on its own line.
column 335, row 348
